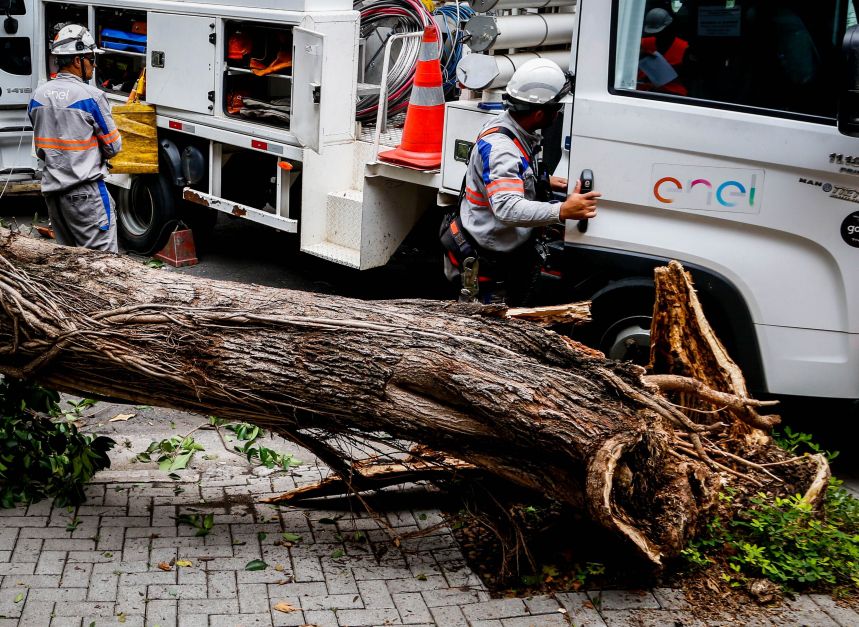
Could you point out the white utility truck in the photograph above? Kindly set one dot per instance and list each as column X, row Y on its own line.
column 746, row 170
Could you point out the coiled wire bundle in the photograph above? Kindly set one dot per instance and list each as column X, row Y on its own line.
column 453, row 16
column 398, row 16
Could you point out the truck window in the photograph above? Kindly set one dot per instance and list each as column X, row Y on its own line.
column 15, row 56
column 745, row 54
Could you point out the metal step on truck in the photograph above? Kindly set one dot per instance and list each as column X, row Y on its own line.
column 722, row 134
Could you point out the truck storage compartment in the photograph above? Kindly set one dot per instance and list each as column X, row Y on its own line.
column 58, row 15
column 258, row 72
column 121, row 34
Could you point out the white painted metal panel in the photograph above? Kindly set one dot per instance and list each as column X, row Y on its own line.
column 785, row 255
column 180, row 62
column 16, row 54
column 307, row 88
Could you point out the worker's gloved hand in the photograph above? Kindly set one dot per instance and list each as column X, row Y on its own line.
column 579, row 206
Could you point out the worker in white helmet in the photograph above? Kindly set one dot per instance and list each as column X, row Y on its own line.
column 505, row 196
column 74, row 135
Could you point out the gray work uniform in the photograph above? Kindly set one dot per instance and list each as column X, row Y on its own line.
column 499, row 210
column 74, row 135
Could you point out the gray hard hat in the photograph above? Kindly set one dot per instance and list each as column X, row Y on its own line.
column 656, row 21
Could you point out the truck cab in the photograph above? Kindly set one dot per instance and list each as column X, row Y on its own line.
column 741, row 173
column 17, row 80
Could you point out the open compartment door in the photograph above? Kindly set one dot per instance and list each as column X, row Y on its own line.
column 307, row 49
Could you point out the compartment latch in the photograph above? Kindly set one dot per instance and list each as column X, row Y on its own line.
column 317, row 92
column 212, row 38
column 157, row 58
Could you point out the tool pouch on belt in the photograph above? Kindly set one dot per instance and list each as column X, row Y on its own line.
column 457, row 244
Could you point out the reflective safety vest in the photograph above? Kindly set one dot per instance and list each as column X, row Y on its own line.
column 674, row 55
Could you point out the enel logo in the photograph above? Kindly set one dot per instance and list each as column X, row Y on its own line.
column 727, row 193
column 707, row 188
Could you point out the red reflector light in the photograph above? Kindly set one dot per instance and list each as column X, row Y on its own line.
column 175, row 125
column 255, row 143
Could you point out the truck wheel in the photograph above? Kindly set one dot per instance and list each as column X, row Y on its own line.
column 620, row 325
column 146, row 213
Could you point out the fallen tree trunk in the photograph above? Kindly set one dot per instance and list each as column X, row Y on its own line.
column 514, row 399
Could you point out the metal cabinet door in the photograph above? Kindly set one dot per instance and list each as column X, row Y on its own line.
column 180, row 62
column 307, row 58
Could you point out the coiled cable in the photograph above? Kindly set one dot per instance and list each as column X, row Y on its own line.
column 400, row 16
column 453, row 17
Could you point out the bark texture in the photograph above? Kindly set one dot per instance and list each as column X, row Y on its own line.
column 507, row 396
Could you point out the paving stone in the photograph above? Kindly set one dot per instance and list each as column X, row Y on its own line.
column 650, row 618
column 580, row 609
column 31, row 581
column 624, row 600
column 541, row 604
column 147, row 578
column 541, row 620
column 83, row 608
column 241, row 620
column 412, row 607
column 324, row 618
column 339, row 579
column 288, row 619
column 486, row 623
column 17, row 568
column 76, row 575
column 495, row 609
column 51, row 563
column 253, row 598
column 66, row 621
column 208, row 606
column 375, row 594
column 354, row 618
column 24, row 521
column 57, row 595
column 103, row 587
column 332, row 602
column 192, row 620
column 307, row 569
column 8, row 606
column 670, row 598
column 70, row 544
column 162, row 613
column 131, row 600
column 409, row 583
column 36, row 613
column 27, row 550
column 176, row 591
column 844, row 616
column 435, row 598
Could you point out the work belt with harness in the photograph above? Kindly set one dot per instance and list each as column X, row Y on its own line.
column 458, row 243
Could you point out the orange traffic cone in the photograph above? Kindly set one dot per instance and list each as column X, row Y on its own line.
column 422, row 135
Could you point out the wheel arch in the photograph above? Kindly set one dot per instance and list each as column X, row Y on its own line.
column 599, row 273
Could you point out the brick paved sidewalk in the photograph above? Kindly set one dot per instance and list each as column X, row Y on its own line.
column 343, row 571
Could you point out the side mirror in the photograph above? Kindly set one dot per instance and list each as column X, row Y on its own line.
column 6, row 6
column 848, row 98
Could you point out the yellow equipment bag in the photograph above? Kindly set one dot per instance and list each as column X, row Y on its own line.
column 139, row 154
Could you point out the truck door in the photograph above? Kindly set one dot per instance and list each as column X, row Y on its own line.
column 711, row 128
column 17, row 80
column 16, row 52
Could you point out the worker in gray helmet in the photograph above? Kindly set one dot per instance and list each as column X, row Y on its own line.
column 506, row 196
column 663, row 55
column 74, row 135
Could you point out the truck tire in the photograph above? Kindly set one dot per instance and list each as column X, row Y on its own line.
column 621, row 316
column 146, row 213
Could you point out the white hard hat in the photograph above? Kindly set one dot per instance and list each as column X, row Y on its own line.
column 73, row 40
column 537, row 82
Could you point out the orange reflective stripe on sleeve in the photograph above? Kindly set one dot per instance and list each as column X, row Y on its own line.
column 475, row 198
column 58, row 144
column 505, row 185
column 111, row 137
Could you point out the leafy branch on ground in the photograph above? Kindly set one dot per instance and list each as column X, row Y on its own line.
column 175, row 453
column 42, row 453
column 203, row 523
column 784, row 540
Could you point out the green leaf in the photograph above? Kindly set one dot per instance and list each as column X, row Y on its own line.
column 327, row 521
column 337, row 553
column 19, row 597
column 291, row 537
column 262, row 535
column 256, row 565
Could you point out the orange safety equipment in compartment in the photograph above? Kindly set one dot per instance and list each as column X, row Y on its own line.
column 282, row 61
column 239, row 45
